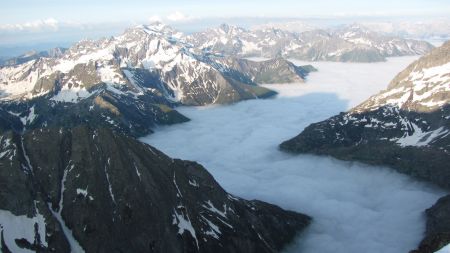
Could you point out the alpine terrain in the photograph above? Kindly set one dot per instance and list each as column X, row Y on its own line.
column 352, row 43
column 93, row 190
column 74, row 178
column 32, row 55
column 130, row 82
column 406, row 126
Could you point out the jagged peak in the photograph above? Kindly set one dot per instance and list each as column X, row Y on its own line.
column 422, row 87
column 230, row 29
column 355, row 28
column 155, row 29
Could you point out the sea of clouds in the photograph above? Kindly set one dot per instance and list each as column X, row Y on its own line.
column 356, row 207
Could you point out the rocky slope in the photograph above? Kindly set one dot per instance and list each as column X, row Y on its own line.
column 351, row 43
column 290, row 26
column 107, row 107
column 406, row 126
column 437, row 233
column 276, row 70
column 94, row 190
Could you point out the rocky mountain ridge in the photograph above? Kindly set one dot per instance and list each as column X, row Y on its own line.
column 93, row 190
column 33, row 55
column 74, row 178
column 155, row 49
column 351, row 43
column 131, row 82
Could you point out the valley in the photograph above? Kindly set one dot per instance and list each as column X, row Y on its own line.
column 352, row 204
column 234, row 127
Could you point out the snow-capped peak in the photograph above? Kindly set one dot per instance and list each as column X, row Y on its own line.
column 229, row 30
column 157, row 28
column 424, row 86
column 92, row 61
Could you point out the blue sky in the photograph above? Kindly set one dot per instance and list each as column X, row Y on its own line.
column 40, row 24
column 21, row 11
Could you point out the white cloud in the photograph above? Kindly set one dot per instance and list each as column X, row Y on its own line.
column 37, row 25
column 155, row 18
column 356, row 207
column 178, row 16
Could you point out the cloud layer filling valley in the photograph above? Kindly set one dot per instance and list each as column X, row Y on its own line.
column 356, row 208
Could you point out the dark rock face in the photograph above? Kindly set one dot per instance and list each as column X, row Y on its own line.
column 212, row 86
column 386, row 136
column 118, row 110
column 270, row 71
column 104, row 192
column 438, row 227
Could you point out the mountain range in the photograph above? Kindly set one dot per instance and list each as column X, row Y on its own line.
column 406, row 126
column 131, row 82
column 419, row 29
column 74, row 178
column 352, row 43
column 33, row 55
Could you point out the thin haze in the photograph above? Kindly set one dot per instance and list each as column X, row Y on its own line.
column 20, row 11
column 356, row 207
column 39, row 25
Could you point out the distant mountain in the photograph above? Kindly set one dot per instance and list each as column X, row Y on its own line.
column 351, row 43
column 433, row 28
column 239, row 42
column 290, row 26
column 33, row 55
column 93, row 190
column 276, row 70
column 406, row 126
column 131, row 82
column 137, row 57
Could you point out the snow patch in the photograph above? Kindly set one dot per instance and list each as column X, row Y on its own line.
column 193, row 183
column 184, row 224
column 29, row 118
column 109, row 75
column 71, row 94
column 75, row 247
column 421, row 138
column 213, row 209
column 109, row 182
column 445, row 249
column 214, row 230
column 20, row 226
